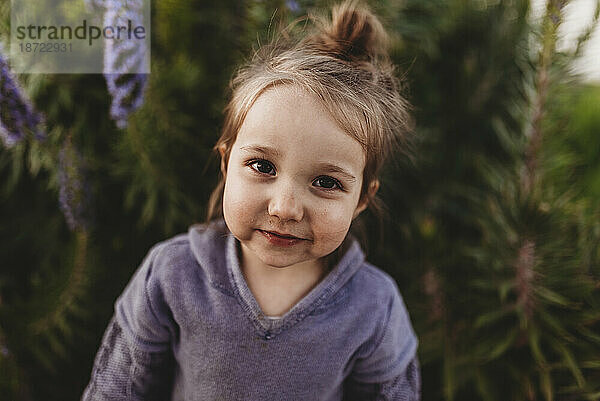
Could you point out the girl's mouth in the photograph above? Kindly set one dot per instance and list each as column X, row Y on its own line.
column 279, row 239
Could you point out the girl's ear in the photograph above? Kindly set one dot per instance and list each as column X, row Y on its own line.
column 364, row 202
column 222, row 149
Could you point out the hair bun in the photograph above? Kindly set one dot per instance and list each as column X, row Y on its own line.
column 354, row 33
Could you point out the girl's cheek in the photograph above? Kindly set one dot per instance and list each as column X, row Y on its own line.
column 241, row 198
column 334, row 221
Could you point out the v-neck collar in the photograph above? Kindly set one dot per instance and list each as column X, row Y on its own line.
column 349, row 263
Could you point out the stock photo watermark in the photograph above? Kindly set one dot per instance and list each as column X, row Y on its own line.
column 77, row 36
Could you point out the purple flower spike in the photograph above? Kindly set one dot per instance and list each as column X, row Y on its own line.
column 127, row 91
column 293, row 6
column 74, row 193
column 124, row 61
column 17, row 116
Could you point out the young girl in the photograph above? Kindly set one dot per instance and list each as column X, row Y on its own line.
column 272, row 299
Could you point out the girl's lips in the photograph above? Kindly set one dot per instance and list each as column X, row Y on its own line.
column 288, row 236
column 276, row 238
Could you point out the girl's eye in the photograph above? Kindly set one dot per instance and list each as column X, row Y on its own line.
column 326, row 182
column 263, row 167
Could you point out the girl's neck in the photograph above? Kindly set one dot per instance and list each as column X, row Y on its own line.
column 275, row 289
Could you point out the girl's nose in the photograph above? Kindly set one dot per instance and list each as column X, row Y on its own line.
column 285, row 204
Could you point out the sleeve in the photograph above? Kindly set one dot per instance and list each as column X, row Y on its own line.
column 135, row 360
column 386, row 367
column 404, row 387
column 123, row 372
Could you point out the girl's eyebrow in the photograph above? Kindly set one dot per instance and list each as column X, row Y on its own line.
column 332, row 168
column 266, row 150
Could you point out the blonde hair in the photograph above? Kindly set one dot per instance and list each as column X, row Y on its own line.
column 344, row 62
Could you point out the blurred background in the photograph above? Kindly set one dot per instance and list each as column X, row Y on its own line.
column 493, row 233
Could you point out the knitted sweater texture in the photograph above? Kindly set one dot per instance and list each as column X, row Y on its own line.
column 187, row 327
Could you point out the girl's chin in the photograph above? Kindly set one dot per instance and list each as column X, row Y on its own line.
column 278, row 262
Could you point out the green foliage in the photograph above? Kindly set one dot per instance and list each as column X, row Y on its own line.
column 573, row 146
column 500, row 274
column 498, row 235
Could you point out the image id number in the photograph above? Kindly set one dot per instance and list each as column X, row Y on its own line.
column 43, row 47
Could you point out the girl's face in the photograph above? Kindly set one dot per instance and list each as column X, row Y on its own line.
column 293, row 180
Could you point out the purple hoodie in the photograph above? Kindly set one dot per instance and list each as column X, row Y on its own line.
column 188, row 328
